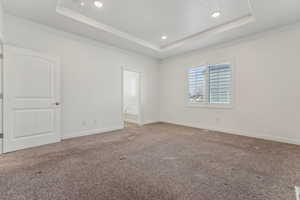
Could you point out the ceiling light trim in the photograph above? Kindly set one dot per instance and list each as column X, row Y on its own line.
column 244, row 20
column 104, row 27
column 212, row 31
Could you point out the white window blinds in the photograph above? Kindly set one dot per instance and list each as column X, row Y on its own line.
column 210, row 84
column 220, row 84
column 197, row 82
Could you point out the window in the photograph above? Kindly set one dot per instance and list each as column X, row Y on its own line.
column 210, row 84
column 197, row 81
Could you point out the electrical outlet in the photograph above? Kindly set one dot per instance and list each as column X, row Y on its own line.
column 297, row 189
column 83, row 123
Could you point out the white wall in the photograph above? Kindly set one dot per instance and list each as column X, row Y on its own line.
column 91, row 76
column 1, row 41
column 1, row 22
column 267, row 87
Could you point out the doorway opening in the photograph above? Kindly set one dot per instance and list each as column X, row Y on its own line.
column 131, row 97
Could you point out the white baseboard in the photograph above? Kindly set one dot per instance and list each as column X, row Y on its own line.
column 243, row 133
column 131, row 121
column 141, row 124
column 91, row 132
column 150, row 122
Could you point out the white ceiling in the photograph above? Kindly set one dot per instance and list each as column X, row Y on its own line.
column 149, row 20
column 139, row 24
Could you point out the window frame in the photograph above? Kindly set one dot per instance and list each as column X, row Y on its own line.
column 207, row 104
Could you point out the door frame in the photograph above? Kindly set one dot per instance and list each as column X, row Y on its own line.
column 140, row 114
column 6, row 99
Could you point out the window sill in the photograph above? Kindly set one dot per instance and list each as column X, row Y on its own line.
column 210, row 106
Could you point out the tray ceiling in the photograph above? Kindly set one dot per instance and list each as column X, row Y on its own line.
column 145, row 22
column 138, row 25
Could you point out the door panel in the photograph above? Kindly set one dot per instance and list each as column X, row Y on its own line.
column 31, row 90
column 38, row 86
column 33, row 122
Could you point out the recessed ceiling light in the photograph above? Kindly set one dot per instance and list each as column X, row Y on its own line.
column 98, row 4
column 216, row 14
column 164, row 37
column 82, row 3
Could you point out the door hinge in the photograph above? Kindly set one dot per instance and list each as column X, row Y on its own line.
column 1, row 95
column 1, row 56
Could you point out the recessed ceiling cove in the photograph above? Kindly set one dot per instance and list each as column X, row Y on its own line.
column 147, row 22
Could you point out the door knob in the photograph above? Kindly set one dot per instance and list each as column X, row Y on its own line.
column 57, row 103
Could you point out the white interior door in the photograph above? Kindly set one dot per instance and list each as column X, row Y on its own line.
column 131, row 96
column 31, row 103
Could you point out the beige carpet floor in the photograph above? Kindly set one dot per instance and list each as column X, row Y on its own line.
column 157, row 162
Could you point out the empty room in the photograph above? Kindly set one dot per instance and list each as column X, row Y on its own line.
column 149, row 100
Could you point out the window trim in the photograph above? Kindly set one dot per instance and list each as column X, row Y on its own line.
column 213, row 105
